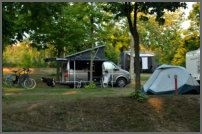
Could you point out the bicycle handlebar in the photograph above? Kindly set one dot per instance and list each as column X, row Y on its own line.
column 21, row 70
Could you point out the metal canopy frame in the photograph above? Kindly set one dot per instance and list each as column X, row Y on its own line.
column 81, row 56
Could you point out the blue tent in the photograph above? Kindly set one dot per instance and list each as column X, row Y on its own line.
column 162, row 81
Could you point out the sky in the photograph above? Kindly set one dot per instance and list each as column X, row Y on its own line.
column 186, row 24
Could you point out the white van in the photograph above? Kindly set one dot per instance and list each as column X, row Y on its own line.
column 193, row 63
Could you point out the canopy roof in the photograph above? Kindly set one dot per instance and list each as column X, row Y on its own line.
column 86, row 54
column 83, row 55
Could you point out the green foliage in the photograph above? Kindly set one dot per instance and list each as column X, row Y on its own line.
column 130, row 10
column 90, row 86
column 52, row 74
column 111, row 54
column 164, row 39
column 138, row 96
column 23, row 55
column 25, row 17
column 4, row 97
column 191, row 40
column 65, row 28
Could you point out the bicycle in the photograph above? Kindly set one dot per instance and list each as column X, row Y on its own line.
column 28, row 82
column 20, row 80
column 12, row 80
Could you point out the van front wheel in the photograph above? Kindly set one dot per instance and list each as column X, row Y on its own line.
column 121, row 82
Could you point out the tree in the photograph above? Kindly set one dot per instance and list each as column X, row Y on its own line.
column 126, row 9
column 95, row 22
column 76, row 27
column 19, row 18
column 164, row 39
column 116, row 39
column 62, row 31
column 191, row 40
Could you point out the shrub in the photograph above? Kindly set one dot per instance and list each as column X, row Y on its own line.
column 90, row 86
column 52, row 74
column 138, row 96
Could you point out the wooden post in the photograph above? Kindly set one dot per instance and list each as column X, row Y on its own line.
column 175, row 84
column 74, row 73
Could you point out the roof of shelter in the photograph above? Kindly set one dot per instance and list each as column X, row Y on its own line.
column 86, row 54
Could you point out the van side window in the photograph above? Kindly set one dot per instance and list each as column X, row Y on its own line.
column 108, row 66
column 80, row 65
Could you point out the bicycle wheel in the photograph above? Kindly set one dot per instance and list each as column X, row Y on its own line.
column 29, row 83
column 34, row 83
column 14, row 83
column 21, row 81
column 9, row 80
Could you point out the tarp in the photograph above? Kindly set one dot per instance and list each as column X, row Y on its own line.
column 85, row 55
column 162, row 81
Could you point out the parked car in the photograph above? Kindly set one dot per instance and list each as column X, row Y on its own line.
column 76, row 69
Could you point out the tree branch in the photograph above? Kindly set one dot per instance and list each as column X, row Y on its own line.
column 127, row 7
column 135, row 16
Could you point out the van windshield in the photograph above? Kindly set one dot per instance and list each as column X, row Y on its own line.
column 108, row 66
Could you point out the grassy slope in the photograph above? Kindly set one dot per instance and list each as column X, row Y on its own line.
column 158, row 113
column 64, row 109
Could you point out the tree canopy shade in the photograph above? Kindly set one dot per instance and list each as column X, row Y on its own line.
column 164, row 39
column 66, row 26
column 191, row 40
column 130, row 11
column 21, row 17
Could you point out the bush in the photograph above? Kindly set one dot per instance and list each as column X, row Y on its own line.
column 52, row 74
column 138, row 96
column 90, row 86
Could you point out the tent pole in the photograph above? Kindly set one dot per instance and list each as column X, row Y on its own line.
column 68, row 69
column 74, row 73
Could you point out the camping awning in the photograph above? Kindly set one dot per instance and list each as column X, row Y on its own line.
column 86, row 54
column 99, row 55
column 88, row 60
column 55, row 59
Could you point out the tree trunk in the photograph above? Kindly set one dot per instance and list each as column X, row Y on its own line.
column 133, row 30
column 132, row 75
column 137, row 49
column 137, row 62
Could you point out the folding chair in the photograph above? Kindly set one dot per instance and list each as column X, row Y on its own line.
column 106, row 84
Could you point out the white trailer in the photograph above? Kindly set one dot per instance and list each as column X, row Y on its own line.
column 193, row 63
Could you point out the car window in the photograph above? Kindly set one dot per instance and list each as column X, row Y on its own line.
column 108, row 66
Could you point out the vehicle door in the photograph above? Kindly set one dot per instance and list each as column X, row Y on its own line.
column 112, row 69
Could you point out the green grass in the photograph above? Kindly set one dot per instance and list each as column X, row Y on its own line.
column 48, row 93
column 9, row 130
column 144, row 78
column 42, row 91
column 197, row 126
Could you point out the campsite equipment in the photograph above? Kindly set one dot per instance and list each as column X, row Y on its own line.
column 193, row 63
column 76, row 69
column 175, row 84
column 162, row 81
column 49, row 81
column 19, row 79
column 147, row 61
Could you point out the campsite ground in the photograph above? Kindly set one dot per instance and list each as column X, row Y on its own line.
column 110, row 109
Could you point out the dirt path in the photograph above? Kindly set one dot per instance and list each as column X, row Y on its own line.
column 157, row 114
column 40, row 93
